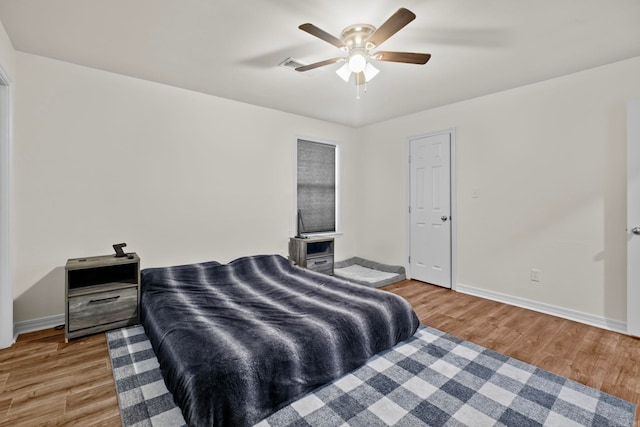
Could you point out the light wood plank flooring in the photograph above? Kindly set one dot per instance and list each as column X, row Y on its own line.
column 44, row 381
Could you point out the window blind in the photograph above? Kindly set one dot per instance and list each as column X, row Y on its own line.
column 316, row 186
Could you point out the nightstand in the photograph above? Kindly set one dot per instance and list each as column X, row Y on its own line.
column 312, row 253
column 101, row 293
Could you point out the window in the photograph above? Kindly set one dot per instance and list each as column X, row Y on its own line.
column 317, row 187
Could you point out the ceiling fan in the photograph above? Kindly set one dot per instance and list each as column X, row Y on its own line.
column 358, row 41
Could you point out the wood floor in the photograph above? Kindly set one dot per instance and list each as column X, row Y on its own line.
column 44, row 381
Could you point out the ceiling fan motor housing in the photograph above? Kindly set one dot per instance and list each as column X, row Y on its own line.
column 355, row 37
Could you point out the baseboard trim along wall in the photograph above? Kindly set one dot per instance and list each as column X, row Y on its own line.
column 37, row 324
column 553, row 310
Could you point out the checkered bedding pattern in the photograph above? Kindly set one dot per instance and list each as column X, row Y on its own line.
column 431, row 379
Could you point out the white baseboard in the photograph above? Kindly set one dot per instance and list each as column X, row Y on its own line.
column 565, row 313
column 37, row 324
column 553, row 310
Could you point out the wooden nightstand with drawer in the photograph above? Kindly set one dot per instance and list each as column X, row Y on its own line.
column 102, row 293
column 312, row 253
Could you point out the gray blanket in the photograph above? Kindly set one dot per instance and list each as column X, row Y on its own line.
column 236, row 342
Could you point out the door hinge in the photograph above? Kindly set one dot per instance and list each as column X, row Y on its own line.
column 409, row 259
column 409, row 159
column 409, row 209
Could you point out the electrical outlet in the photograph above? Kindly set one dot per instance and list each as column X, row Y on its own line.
column 535, row 275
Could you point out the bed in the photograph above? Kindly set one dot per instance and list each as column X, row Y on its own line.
column 238, row 341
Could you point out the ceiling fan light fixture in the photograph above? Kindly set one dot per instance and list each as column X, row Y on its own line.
column 370, row 72
column 344, row 72
column 357, row 63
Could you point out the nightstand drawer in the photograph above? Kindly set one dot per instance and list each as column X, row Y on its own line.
column 101, row 308
column 321, row 264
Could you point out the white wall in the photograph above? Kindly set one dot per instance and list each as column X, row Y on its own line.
column 549, row 162
column 102, row 158
column 7, row 53
column 179, row 176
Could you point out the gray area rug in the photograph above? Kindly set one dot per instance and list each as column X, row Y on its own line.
column 432, row 379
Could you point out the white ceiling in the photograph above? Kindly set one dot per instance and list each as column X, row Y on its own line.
column 232, row 48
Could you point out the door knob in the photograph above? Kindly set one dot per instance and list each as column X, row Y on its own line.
column 444, row 218
column 636, row 230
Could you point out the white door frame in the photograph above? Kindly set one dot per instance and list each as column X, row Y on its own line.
column 6, row 209
column 633, row 211
column 454, row 204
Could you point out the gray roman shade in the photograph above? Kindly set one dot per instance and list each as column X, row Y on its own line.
column 316, row 186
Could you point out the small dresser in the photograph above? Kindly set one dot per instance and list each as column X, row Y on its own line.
column 312, row 253
column 101, row 293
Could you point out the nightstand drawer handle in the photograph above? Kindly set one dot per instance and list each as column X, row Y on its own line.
column 321, row 262
column 96, row 301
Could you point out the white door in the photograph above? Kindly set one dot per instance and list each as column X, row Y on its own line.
column 430, row 209
column 633, row 218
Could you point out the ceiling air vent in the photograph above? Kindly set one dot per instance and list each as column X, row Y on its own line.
column 292, row 64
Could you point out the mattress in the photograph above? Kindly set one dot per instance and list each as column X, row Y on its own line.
column 238, row 341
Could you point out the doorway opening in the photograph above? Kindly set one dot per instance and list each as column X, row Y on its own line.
column 6, row 207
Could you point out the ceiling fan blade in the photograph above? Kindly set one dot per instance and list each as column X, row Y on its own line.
column 395, row 23
column 319, row 64
column 405, row 57
column 321, row 34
